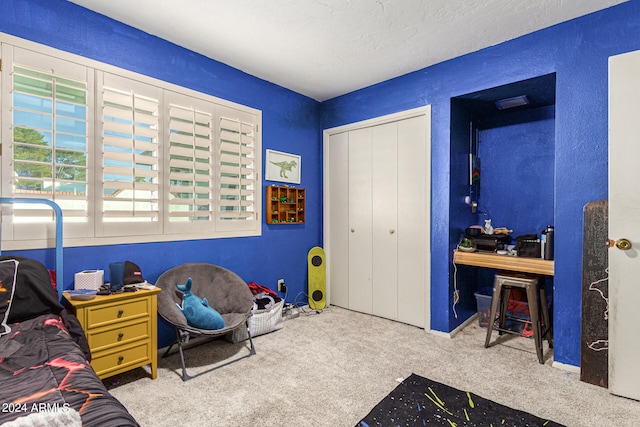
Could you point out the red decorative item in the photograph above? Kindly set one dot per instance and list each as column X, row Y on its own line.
column 53, row 277
column 258, row 289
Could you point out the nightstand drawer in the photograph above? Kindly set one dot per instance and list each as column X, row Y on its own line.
column 102, row 315
column 105, row 362
column 123, row 334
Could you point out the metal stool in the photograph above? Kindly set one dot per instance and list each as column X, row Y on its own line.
column 538, row 308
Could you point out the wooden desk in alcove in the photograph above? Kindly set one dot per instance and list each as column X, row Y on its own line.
column 504, row 262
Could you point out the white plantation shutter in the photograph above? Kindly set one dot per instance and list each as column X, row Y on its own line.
column 130, row 156
column 127, row 157
column 190, row 165
column 238, row 165
column 46, row 118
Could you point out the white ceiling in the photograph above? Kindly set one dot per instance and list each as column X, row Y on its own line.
column 326, row 48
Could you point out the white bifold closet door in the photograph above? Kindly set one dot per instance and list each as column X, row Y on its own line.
column 360, row 238
column 378, row 219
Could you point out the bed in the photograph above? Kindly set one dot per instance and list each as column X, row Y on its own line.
column 45, row 367
column 46, row 377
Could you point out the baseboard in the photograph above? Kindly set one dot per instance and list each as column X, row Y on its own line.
column 558, row 365
column 456, row 330
column 565, row 367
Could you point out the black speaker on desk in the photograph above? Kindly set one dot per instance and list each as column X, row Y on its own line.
column 528, row 245
column 490, row 242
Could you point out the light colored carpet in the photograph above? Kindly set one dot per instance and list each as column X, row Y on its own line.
column 332, row 368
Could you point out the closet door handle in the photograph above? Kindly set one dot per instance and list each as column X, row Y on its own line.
column 353, row 230
column 391, row 231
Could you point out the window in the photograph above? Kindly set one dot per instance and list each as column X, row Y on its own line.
column 130, row 153
column 236, row 167
column 190, row 164
column 46, row 114
column 128, row 158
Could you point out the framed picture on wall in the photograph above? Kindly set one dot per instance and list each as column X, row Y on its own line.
column 283, row 167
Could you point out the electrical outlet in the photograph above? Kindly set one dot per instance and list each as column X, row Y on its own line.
column 281, row 286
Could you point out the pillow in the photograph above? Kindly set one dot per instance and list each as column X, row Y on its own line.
column 8, row 269
column 197, row 311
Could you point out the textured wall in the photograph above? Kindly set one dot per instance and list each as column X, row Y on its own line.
column 518, row 159
column 577, row 51
column 290, row 124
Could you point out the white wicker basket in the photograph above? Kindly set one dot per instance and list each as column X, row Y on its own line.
column 262, row 322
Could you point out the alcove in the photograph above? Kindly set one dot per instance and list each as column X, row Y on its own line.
column 511, row 130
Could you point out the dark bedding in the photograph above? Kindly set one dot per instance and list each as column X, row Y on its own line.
column 45, row 368
column 42, row 369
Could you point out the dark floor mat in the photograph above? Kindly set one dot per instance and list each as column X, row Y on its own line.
column 418, row 401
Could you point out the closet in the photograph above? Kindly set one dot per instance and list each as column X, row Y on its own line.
column 377, row 198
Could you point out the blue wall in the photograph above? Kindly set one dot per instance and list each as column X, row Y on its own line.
column 290, row 123
column 577, row 51
column 518, row 155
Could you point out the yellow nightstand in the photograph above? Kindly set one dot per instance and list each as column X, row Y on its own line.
column 121, row 330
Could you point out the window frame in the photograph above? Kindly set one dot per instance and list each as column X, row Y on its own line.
column 94, row 232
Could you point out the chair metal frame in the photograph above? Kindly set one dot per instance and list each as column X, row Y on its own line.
column 183, row 335
column 538, row 308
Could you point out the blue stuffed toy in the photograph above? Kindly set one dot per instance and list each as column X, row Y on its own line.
column 197, row 311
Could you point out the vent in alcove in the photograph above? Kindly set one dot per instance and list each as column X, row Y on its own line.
column 516, row 101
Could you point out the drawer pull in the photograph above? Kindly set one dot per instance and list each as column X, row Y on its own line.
column 120, row 336
column 120, row 313
column 120, row 359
